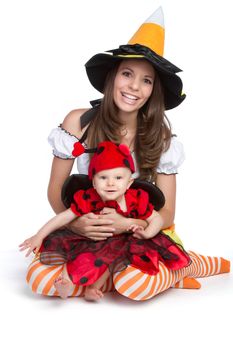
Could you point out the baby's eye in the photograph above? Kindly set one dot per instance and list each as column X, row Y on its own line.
column 119, row 177
column 103, row 177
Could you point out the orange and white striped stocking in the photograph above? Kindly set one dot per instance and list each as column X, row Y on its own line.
column 41, row 278
column 136, row 285
column 131, row 282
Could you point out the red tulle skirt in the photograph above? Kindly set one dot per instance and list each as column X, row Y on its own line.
column 87, row 260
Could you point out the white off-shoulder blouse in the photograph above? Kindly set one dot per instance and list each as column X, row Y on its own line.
column 62, row 143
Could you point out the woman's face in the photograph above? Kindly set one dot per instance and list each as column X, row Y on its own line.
column 133, row 84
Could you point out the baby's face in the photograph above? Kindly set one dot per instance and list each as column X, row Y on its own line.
column 112, row 184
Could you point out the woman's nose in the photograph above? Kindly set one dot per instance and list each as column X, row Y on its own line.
column 134, row 84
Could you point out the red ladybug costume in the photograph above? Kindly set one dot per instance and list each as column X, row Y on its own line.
column 86, row 259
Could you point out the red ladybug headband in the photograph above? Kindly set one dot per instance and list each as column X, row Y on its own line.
column 107, row 155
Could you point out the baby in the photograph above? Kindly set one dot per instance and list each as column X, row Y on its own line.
column 89, row 263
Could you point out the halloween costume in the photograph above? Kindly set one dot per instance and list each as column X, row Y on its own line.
column 147, row 44
column 87, row 260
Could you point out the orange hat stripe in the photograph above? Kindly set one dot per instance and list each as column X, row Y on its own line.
column 150, row 35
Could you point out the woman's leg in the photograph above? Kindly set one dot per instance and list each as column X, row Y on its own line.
column 41, row 280
column 131, row 282
column 137, row 285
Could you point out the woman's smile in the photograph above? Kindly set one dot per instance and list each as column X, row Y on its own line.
column 133, row 84
column 129, row 98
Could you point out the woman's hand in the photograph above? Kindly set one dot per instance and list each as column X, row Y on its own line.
column 96, row 227
column 102, row 226
column 120, row 223
column 32, row 244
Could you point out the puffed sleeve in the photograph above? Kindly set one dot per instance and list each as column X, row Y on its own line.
column 81, row 205
column 172, row 159
column 62, row 143
column 138, row 202
column 145, row 208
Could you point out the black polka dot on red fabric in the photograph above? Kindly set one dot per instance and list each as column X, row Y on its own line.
column 126, row 162
column 140, row 242
column 145, row 258
column 138, row 193
column 134, row 213
column 46, row 243
column 100, row 149
column 98, row 262
column 86, row 196
column 93, row 203
column 83, row 280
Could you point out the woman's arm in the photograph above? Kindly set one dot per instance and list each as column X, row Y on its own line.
column 61, row 168
column 121, row 223
column 89, row 225
column 34, row 242
column 167, row 184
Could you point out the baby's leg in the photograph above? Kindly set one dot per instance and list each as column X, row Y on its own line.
column 63, row 284
column 93, row 292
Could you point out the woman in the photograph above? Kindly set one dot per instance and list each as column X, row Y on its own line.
column 131, row 88
column 138, row 85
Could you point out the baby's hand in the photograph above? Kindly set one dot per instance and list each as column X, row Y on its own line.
column 138, row 231
column 32, row 244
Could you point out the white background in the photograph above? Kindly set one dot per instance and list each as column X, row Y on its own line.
column 44, row 46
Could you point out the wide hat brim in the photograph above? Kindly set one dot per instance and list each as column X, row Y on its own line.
column 78, row 182
column 99, row 65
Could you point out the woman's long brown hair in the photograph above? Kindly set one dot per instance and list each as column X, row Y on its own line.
column 153, row 128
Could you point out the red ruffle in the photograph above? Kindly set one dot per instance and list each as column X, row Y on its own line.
column 137, row 203
column 87, row 260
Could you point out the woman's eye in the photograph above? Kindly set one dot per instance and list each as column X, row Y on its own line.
column 148, row 81
column 126, row 74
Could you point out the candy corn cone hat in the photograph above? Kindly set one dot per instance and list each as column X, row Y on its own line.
column 147, row 43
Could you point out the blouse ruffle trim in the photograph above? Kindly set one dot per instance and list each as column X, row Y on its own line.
column 172, row 159
column 62, row 143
